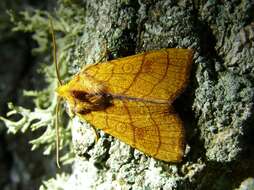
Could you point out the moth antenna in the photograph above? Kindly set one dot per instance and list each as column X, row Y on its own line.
column 59, row 83
column 96, row 134
column 54, row 50
column 57, row 132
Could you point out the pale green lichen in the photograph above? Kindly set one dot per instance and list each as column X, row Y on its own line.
column 58, row 183
column 41, row 118
column 43, row 115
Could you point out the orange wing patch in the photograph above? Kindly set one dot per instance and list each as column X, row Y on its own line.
column 151, row 128
column 158, row 75
column 130, row 98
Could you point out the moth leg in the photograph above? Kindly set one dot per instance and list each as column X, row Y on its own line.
column 104, row 54
column 96, row 134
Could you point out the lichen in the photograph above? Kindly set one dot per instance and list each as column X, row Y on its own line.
column 58, row 183
column 42, row 117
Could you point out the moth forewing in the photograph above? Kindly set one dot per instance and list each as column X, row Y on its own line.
column 130, row 98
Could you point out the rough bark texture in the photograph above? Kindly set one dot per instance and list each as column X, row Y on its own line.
column 217, row 107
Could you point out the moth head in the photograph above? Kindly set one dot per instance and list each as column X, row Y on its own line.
column 81, row 98
column 75, row 96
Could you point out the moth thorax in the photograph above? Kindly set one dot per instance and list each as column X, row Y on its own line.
column 86, row 102
column 91, row 85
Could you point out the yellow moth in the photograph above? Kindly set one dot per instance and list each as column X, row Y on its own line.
column 131, row 99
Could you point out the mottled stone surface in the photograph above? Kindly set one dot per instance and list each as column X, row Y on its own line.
column 216, row 108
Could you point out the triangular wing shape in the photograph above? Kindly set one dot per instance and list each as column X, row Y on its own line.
column 155, row 75
column 151, row 128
